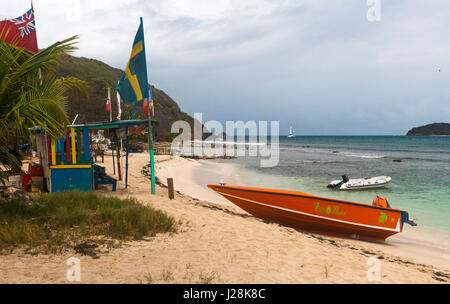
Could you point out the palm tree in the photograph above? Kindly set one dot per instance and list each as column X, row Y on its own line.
column 31, row 95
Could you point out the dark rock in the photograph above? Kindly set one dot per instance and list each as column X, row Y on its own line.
column 431, row 129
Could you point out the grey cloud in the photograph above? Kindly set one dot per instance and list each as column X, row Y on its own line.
column 318, row 65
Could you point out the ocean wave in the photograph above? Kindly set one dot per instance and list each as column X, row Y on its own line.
column 335, row 152
column 420, row 159
column 220, row 142
column 368, row 156
column 315, row 161
column 389, row 149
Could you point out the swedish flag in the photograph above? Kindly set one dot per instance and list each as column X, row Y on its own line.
column 133, row 85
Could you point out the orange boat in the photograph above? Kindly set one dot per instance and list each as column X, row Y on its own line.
column 317, row 214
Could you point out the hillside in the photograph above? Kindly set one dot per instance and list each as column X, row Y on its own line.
column 431, row 129
column 99, row 77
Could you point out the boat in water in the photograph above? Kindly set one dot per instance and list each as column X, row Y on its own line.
column 360, row 183
column 318, row 214
column 291, row 133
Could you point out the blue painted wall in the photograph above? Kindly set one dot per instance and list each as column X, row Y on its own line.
column 71, row 179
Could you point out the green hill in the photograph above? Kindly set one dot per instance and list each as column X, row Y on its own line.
column 99, row 77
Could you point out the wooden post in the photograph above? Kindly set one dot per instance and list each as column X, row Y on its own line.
column 118, row 162
column 150, row 147
column 152, row 163
column 112, row 152
column 53, row 150
column 79, row 145
column 170, row 187
column 68, row 157
column 61, row 148
column 126, row 157
column 86, row 145
column 74, row 148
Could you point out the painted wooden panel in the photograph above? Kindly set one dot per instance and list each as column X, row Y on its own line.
column 71, row 179
column 61, row 149
column 53, row 151
column 87, row 150
column 74, row 148
column 70, row 166
column 68, row 156
column 79, row 145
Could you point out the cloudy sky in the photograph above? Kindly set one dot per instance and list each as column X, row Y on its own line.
column 318, row 65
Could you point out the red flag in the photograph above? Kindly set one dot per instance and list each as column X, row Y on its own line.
column 108, row 105
column 145, row 106
column 20, row 31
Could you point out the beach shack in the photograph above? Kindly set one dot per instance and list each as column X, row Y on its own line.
column 68, row 162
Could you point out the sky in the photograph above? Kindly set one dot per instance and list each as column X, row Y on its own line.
column 320, row 66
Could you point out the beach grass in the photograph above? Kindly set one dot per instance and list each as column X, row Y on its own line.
column 80, row 220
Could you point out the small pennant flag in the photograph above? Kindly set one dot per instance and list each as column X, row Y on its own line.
column 108, row 102
column 148, row 102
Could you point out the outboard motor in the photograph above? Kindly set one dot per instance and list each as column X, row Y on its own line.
column 343, row 181
column 410, row 221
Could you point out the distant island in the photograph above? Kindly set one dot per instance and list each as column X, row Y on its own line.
column 434, row 129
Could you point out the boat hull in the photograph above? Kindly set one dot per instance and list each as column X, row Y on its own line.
column 343, row 187
column 316, row 214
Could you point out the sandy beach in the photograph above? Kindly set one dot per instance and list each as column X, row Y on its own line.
column 220, row 243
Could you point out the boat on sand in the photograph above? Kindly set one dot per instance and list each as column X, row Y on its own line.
column 318, row 214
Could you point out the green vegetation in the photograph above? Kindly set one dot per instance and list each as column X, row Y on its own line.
column 31, row 95
column 79, row 220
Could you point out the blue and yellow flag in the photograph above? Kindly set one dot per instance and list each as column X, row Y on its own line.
column 133, row 85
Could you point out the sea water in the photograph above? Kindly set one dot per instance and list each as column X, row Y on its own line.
column 419, row 167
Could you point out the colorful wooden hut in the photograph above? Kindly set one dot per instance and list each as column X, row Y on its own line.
column 68, row 162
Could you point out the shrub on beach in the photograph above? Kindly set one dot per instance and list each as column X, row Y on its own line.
column 61, row 220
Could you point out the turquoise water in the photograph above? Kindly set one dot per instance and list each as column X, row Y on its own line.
column 420, row 182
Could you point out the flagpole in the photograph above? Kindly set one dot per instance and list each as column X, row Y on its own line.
column 39, row 69
column 150, row 132
column 110, row 105
column 119, row 153
column 119, row 110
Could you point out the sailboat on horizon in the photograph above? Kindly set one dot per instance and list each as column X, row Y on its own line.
column 291, row 133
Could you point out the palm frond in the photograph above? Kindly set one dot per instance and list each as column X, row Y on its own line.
column 31, row 95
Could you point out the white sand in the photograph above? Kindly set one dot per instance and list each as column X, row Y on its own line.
column 194, row 185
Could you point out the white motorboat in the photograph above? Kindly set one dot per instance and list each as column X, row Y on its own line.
column 291, row 133
column 360, row 183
